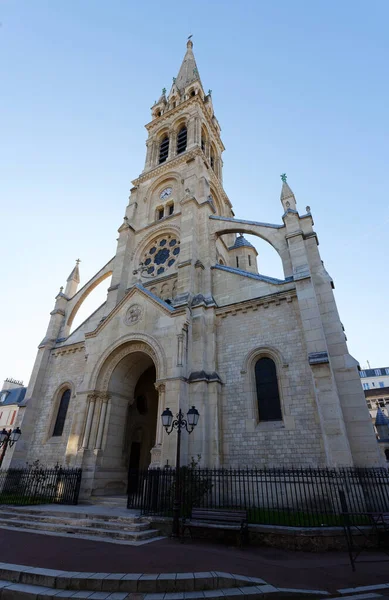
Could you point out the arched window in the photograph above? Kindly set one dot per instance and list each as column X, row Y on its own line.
column 61, row 415
column 164, row 149
column 181, row 140
column 170, row 208
column 268, row 397
column 212, row 159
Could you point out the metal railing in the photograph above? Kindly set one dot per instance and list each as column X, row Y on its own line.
column 37, row 485
column 305, row 497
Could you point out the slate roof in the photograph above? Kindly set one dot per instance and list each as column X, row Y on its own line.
column 15, row 396
column 256, row 276
column 240, row 242
column 188, row 71
column 381, row 419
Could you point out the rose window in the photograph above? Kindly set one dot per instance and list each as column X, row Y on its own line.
column 161, row 255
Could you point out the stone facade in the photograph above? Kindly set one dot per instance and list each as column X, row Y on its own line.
column 186, row 319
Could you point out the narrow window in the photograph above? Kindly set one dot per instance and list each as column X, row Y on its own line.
column 203, row 144
column 387, row 453
column 181, row 140
column 268, row 398
column 212, row 161
column 61, row 415
column 164, row 149
column 237, row 262
column 160, row 214
column 377, row 372
column 171, row 209
column 381, row 384
column 193, row 93
column 366, row 386
column 249, row 260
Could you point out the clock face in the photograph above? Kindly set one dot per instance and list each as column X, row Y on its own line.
column 165, row 193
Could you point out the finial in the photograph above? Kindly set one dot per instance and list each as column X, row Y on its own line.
column 189, row 43
column 308, row 209
column 174, row 79
column 163, row 91
column 209, row 92
column 78, row 261
column 283, row 177
column 61, row 289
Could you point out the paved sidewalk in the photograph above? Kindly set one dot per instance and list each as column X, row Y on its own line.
column 328, row 571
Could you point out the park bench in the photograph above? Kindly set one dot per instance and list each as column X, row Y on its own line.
column 218, row 518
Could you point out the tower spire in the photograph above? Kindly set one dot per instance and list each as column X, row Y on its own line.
column 188, row 71
column 287, row 196
column 72, row 281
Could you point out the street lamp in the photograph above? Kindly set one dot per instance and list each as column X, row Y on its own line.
column 192, row 418
column 8, row 438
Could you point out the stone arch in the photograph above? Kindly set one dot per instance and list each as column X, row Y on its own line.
column 178, row 123
column 248, row 372
column 217, row 201
column 166, row 178
column 84, row 293
column 273, row 234
column 127, row 344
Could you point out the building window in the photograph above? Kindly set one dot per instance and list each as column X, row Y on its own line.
column 387, row 371
column 181, row 140
column 366, row 386
column 160, row 213
column 362, row 374
column 249, row 260
column 381, row 403
column 268, row 397
column 377, row 372
column 237, row 262
column 212, row 159
column 61, row 415
column 171, row 209
column 387, row 453
column 373, row 383
column 164, row 149
column 369, row 406
column 12, row 418
column 381, row 384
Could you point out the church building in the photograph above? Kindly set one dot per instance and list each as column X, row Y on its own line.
column 189, row 321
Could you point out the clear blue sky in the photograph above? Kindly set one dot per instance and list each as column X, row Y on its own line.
column 298, row 86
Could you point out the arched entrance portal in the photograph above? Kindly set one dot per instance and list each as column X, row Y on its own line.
column 132, row 423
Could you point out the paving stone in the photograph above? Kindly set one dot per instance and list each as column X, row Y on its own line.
column 213, row 594
column 232, row 592
column 117, row 596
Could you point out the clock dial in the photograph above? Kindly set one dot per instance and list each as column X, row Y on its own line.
column 165, row 193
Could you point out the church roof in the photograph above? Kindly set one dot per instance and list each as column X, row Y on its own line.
column 286, row 192
column 188, row 71
column 256, row 276
column 240, row 242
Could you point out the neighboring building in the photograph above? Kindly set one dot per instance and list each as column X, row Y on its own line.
column 11, row 410
column 375, row 383
column 188, row 320
column 373, row 379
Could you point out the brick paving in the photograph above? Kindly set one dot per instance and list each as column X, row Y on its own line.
column 329, row 571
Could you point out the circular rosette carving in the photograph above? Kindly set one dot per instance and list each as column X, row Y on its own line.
column 161, row 255
column 133, row 315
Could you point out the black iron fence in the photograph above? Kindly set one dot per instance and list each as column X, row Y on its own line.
column 37, row 485
column 294, row 497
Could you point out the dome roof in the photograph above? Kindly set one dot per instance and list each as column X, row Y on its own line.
column 240, row 242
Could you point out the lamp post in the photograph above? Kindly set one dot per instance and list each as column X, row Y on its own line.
column 178, row 423
column 8, row 438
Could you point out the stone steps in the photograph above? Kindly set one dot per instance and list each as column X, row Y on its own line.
column 132, row 529
column 17, row 581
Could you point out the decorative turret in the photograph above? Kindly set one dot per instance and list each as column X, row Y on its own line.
column 287, row 196
column 243, row 255
column 72, row 281
column 382, row 425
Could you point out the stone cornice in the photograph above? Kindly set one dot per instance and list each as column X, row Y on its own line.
column 69, row 349
column 256, row 303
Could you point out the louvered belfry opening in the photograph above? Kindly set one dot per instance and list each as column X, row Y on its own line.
column 164, row 149
column 61, row 415
column 181, row 140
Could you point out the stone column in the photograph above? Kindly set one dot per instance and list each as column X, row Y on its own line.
column 172, row 144
column 103, row 413
column 156, row 451
column 89, row 419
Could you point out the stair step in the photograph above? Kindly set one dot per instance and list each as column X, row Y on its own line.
column 122, row 525
column 69, row 514
column 91, row 531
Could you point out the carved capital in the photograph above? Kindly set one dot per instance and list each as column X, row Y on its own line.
column 160, row 387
